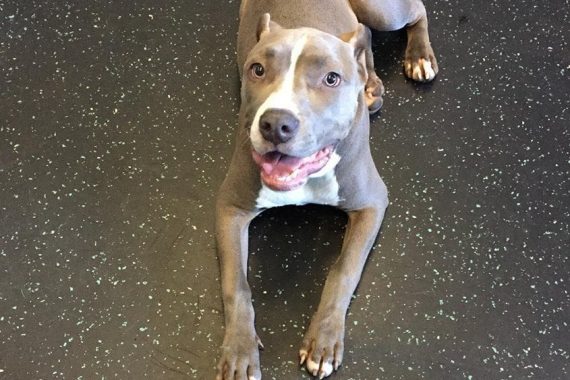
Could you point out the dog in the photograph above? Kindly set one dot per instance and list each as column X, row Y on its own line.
column 308, row 87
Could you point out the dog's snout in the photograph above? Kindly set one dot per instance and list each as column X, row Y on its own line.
column 278, row 125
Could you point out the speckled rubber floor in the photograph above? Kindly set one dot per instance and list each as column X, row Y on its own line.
column 116, row 130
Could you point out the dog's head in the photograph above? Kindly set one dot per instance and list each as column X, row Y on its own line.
column 300, row 90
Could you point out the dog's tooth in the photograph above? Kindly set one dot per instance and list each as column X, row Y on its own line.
column 289, row 176
column 293, row 174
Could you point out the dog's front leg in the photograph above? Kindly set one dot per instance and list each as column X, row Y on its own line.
column 323, row 344
column 240, row 353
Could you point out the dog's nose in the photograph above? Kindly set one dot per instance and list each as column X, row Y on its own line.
column 278, row 125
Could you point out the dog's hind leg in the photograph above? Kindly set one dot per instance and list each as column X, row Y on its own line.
column 420, row 63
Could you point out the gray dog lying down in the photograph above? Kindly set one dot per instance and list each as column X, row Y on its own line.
column 308, row 85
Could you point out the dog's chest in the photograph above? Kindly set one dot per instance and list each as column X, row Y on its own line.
column 321, row 188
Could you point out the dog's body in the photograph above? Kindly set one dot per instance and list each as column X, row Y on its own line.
column 308, row 84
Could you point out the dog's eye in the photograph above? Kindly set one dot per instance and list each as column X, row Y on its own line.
column 332, row 79
column 257, row 70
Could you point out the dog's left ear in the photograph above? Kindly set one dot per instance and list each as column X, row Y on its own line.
column 360, row 39
column 265, row 25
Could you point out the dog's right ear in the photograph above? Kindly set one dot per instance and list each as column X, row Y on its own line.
column 265, row 25
column 360, row 41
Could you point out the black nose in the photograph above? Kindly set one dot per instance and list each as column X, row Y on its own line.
column 278, row 125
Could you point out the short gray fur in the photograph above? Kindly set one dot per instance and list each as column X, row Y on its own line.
column 361, row 191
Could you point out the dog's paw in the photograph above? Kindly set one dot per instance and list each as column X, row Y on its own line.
column 240, row 358
column 323, row 346
column 420, row 63
column 374, row 91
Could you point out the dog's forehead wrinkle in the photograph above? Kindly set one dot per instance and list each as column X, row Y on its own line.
column 326, row 54
column 280, row 50
column 270, row 52
column 316, row 59
column 321, row 62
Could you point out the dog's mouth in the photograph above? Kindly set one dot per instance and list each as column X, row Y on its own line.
column 281, row 172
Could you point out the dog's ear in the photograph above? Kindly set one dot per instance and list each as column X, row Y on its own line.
column 265, row 25
column 360, row 40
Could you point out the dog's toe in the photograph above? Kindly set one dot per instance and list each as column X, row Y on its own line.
column 240, row 359
column 326, row 370
column 374, row 91
column 320, row 368
column 322, row 349
column 313, row 367
column 420, row 63
column 420, row 70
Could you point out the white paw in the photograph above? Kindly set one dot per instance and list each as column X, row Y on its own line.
column 420, row 70
column 316, row 369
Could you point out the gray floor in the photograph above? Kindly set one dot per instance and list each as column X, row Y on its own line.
column 117, row 128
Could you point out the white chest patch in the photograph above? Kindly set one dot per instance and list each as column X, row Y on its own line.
column 321, row 188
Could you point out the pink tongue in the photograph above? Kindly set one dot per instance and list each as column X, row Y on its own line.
column 277, row 164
